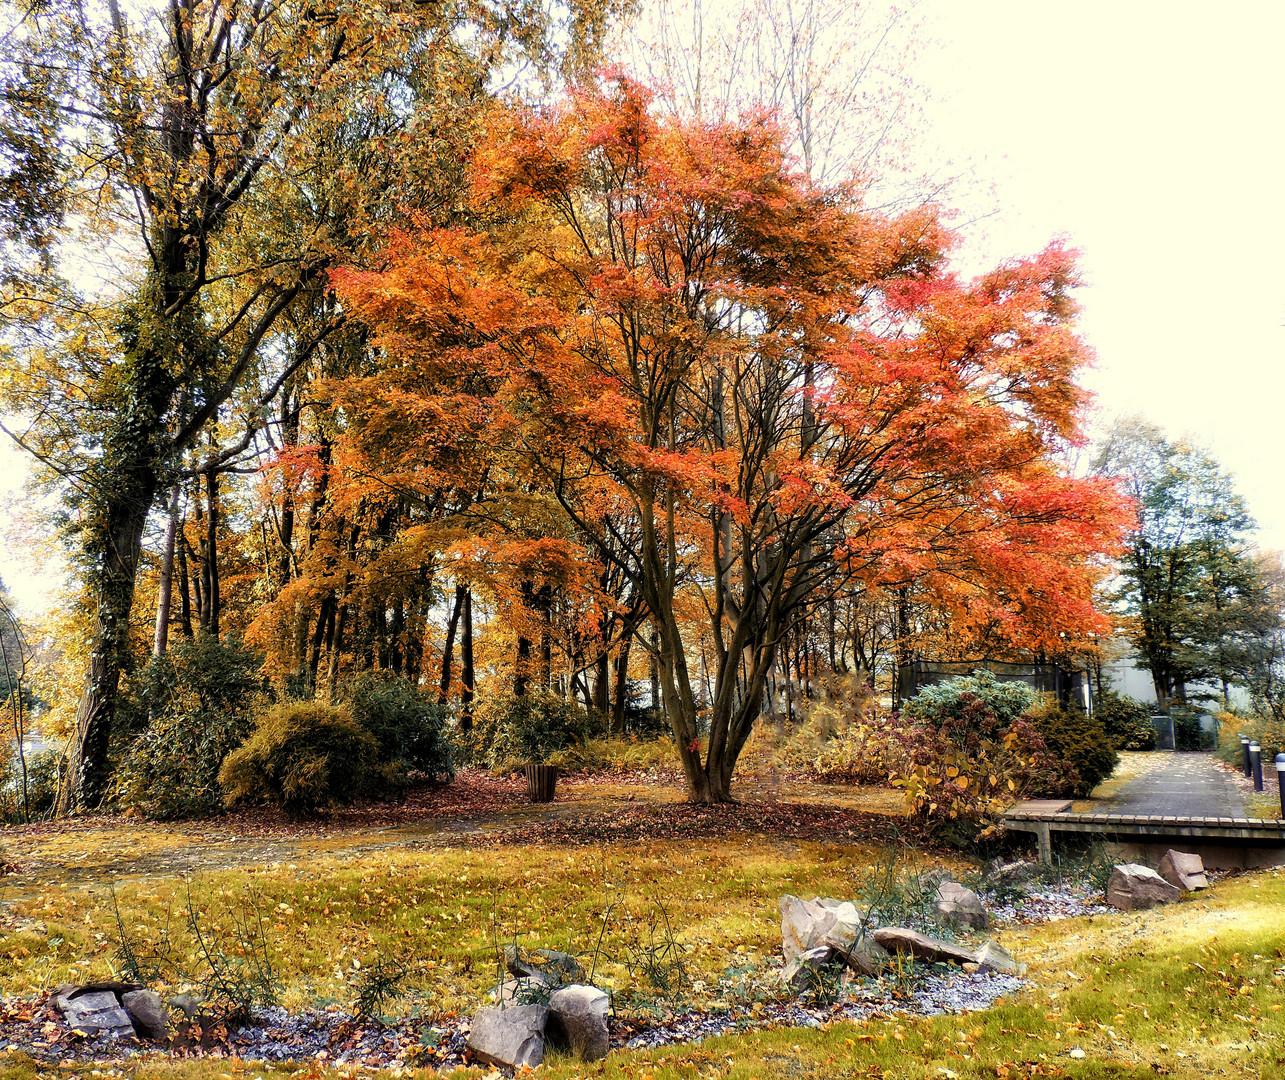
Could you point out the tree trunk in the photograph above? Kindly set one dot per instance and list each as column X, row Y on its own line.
column 622, row 688
column 185, row 599
column 119, row 542
column 210, row 570
column 396, row 629
column 902, row 652
column 654, row 672
column 601, row 679
column 448, row 649
column 334, row 645
column 522, row 663
column 162, row 636
column 324, row 618
column 466, row 664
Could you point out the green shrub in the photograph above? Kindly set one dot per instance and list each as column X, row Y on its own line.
column 616, row 755
column 1078, row 739
column 408, row 725
column 188, row 710
column 1004, row 700
column 1187, row 733
column 511, row 730
column 305, row 757
column 1126, row 721
column 42, row 787
column 968, row 751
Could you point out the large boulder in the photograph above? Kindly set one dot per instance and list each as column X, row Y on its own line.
column 954, row 905
column 578, row 1021
column 808, row 925
column 147, row 1012
column 93, row 1011
column 1134, row 887
column 1183, row 869
column 510, row 1036
column 898, row 939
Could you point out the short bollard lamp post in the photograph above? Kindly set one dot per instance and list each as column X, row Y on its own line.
column 1256, row 761
column 1280, row 779
column 1244, row 753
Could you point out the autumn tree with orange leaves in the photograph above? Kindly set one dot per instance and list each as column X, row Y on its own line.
column 745, row 393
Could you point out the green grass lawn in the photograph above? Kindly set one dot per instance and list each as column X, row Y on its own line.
column 326, row 918
column 1191, row 990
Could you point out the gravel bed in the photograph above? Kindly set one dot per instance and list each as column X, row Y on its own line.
column 1050, row 905
column 932, row 993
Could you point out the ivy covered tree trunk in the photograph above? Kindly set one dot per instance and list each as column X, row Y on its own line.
column 112, row 540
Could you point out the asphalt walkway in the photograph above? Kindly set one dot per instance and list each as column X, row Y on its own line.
column 1187, row 785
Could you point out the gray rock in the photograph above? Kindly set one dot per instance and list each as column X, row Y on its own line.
column 547, row 965
column 520, row 992
column 578, row 1021
column 1134, row 887
column 866, row 956
column 186, row 1003
column 95, row 1012
column 992, row 956
column 955, row 905
column 147, row 1013
column 509, row 1036
column 935, row 876
column 800, row 971
column 898, row 939
column 1013, row 873
column 1183, row 869
column 807, row 924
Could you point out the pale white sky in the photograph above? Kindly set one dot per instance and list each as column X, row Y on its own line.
column 1150, row 134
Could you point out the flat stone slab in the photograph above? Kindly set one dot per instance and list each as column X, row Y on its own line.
column 1042, row 806
column 95, row 1012
column 898, row 939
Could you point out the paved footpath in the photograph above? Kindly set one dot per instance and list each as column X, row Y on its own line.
column 1187, row 785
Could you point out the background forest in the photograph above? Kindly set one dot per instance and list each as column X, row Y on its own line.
column 414, row 390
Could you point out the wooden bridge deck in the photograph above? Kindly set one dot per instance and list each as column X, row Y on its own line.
column 1046, row 817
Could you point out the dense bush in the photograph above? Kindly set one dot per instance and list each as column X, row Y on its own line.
column 409, row 726
column 305, row 757
column 1188, row 734
column 1078, row 739
column 187, row 711
column 1126, row 721
column 616, row 755
column 1269, row 733
column 1005, row 701
column 42, row 787
column 511, row 730
column 970, row 752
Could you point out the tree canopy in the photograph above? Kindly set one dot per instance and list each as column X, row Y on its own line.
column 741, row 391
